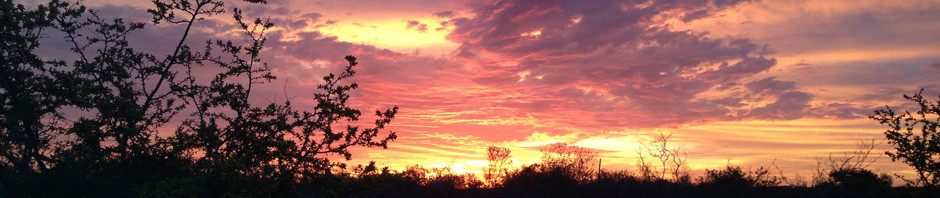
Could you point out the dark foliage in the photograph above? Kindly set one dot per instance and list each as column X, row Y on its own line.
column 573, row 161
column 89, row 127
column 542, row 181
column 856, row 182
column 733, row 181
column 915, row 137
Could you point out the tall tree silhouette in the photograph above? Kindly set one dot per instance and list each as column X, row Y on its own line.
column 498, row 168
column 104, row 109
column 31, row 89
column 672, row 159
column 915, row 137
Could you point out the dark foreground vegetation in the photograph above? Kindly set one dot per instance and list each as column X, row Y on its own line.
column 534, row 182
column 564, row 172
column 108, row 120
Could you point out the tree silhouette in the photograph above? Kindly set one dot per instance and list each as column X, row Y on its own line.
column 672, row 159
column 96, row 120
column 577, row 162
column 31, row 89
column 921, row 149
column 498, row 168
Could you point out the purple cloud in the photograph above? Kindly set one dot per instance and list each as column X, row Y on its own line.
column 639, row 68
column 789, row 105
column 444, row 14
column 770, row 85
column 417, row 26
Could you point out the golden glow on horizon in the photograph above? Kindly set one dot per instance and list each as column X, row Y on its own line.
column 709, row 146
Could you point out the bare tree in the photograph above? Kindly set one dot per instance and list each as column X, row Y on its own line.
column 672, row 160
column 498, row 158
column 857, row 159
column 645, row 168
column 797, row 179
column 574, row 160
column 830, row 169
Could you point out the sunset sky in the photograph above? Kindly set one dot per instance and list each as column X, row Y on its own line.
column 740, row 82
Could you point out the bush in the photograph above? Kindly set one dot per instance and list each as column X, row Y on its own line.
column 734, row 181
column 541, row 181
column 857, row 182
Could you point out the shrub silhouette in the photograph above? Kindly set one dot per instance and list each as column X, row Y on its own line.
column 857, row 182
column 733, row 181
column 859, row 179
column 541, row 181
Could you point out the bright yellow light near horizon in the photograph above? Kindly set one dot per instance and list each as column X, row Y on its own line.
column 703, row 143
column 393, row 34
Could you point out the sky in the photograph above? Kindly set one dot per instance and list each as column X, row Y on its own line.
column 749, row 83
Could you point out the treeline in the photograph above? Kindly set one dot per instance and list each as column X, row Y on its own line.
column 564, row 171
column 570, row 171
